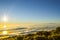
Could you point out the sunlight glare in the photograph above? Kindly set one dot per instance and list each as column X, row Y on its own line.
column 4, row 26
column 5, row 18
column 4, row 32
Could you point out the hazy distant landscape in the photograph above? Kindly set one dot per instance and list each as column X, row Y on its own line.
column 32, row 28
column 36, row 32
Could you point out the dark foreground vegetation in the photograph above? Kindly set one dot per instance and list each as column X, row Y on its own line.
column 41, row 35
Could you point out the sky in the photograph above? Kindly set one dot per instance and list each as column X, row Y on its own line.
column 30, row 11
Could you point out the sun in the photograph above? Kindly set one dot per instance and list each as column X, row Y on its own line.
column 5, row 19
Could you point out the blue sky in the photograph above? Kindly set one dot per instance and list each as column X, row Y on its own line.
column 35, row 11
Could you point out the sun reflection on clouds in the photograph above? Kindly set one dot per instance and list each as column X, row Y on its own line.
column 4, row 32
